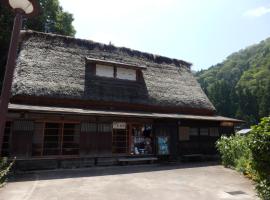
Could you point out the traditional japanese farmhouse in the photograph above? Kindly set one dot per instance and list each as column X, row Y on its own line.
column 81, row 103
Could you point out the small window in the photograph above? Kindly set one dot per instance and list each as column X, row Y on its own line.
column 193, row 132
column 105, row 71
column 183, row 133
column 204, row 131
column 126, row 74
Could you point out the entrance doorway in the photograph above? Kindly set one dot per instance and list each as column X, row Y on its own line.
column 120, row 138
column 141, row 139
column 132, row 139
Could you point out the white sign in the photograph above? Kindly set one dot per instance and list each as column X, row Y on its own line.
column 119, row 125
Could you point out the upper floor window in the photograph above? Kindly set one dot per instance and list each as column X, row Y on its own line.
column 117, row 70
column 105, row 71
column 126, row 74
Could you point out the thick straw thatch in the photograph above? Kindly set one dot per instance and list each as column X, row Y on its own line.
column 55, row 66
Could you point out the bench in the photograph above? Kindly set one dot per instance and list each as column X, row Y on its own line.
column 128, row 160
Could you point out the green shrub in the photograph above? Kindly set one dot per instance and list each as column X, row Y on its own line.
column 263, row 188
column 5, row 166
column 250, row 155
column 259, row 144
column 234, row 152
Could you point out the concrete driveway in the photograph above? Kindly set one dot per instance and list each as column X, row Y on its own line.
column 141, row 182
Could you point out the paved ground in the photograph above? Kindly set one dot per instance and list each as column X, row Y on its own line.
column 144, row 182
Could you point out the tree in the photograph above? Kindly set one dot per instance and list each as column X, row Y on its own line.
column 51, row 19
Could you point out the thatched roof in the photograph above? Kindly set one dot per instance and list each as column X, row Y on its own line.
column 55, row 66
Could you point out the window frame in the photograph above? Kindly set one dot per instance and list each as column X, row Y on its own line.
column 112, row 75
column 61, row 127
column 115, row 74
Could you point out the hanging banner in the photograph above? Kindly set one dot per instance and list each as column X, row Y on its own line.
column 163, row 145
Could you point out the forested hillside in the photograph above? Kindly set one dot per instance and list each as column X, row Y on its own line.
column 240, row 86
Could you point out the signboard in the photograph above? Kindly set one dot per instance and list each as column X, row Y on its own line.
column 119, row 125
column 229, row 124
column 163, row 145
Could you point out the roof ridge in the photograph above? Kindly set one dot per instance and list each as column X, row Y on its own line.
column 149, row 56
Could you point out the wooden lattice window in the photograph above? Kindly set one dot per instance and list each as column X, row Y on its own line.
column 71, row 139
column 120, row 141
column 61, row 139
column 6, row 140
column 52, row 139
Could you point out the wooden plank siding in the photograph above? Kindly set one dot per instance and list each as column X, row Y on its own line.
column 201, row 144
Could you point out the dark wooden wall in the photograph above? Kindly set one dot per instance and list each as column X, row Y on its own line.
column 28, row 143
column 202, row 144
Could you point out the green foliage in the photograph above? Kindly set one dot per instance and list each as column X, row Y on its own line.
column 250, row 155
column 259, row 144
column 234, row 152
column 5, row 167
column 51, row 19
column 240, row 86
column 263, row 188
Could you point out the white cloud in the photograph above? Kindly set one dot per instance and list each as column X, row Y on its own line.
column 257, row 12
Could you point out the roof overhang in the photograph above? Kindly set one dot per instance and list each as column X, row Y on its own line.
column 80, row 111
column 115, row 63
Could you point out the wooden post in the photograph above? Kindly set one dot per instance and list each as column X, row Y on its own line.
column 7, row 83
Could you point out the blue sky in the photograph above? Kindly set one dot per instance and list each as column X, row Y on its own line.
column 203, row 32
